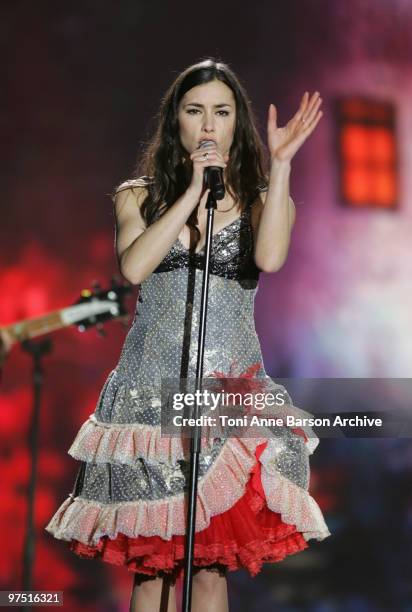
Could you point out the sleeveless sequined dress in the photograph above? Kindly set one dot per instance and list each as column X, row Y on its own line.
column 128, row 506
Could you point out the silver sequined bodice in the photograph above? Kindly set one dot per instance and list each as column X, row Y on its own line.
column 163, row 338
column 231, row 256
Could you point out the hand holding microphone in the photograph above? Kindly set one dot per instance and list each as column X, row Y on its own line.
column 208, row 165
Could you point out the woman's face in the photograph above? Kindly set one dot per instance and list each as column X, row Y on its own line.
column 207, row 112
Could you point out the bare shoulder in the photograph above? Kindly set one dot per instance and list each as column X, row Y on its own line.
column 128, row 198
column 141, row 182
column 259, row 204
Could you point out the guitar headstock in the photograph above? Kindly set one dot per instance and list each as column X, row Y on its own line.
column 104, row 304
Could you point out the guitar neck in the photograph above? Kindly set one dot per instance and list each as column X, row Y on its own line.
column 31, row 328
column 71, row 315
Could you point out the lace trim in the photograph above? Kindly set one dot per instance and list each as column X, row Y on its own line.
column 100, row 442
column 281, row 492
column 143, row 558
column 87, row 520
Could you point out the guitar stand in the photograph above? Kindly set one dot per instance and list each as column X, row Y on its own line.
column 37, row 349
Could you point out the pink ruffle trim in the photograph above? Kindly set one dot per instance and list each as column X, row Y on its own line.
column 100, row 442
column 220, row 488
column 246, row 535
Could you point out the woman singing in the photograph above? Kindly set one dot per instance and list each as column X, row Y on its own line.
column 128, row 506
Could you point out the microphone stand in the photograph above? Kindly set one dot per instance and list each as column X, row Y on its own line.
column 195, row 440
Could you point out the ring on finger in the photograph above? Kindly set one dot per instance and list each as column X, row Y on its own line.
column 205, row 155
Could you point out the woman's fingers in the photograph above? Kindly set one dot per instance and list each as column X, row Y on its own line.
column 214, row 157
column 209, row 149
column 272, row 118
column 308, row 107
column 302, row 108
column 312, row 108
column 313, row 123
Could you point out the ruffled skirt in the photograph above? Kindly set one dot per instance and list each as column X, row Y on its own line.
column 246, row 535
column 248, row 512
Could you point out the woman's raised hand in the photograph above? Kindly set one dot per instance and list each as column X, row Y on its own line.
column 283, row 142
column 213, row 158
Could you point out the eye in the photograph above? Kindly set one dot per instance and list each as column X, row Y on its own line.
column 193, row 111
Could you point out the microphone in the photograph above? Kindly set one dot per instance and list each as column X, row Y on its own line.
column 213, row 177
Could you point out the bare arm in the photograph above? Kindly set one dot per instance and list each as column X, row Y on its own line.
column 276, row 219
column 278, row 214
column 139, row 249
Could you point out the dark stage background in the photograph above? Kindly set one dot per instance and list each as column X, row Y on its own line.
column 82, row 86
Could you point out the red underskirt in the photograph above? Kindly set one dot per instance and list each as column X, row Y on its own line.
column 247, row 535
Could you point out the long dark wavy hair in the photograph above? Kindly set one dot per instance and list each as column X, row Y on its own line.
column 163, row 161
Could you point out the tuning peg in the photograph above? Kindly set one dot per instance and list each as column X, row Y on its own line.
column 96, row 286
column 100, row 330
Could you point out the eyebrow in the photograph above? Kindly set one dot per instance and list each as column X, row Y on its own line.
column 201, row 105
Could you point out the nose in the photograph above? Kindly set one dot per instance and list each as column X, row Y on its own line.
column 208, row 122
